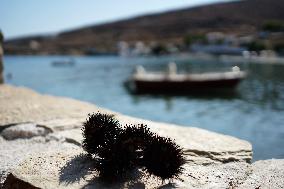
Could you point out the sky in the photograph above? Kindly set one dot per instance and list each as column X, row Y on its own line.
column 28, row 17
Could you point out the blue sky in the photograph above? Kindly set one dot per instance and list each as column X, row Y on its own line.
column 28, row 17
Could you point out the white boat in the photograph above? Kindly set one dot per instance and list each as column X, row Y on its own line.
column 172, row 82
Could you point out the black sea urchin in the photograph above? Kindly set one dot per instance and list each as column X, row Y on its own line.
column 124, row 156
column 136, row 136
column 115, row 163
column 99, row 130
column 163, row 158
column 119, row 151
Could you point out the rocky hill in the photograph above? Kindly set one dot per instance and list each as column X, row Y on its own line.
column 238, row 17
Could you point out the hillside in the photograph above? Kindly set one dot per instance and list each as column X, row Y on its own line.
column 239, row 17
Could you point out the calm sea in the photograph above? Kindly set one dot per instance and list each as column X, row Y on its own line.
column 255, row 113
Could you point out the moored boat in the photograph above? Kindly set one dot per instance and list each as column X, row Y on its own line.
column 172, row 82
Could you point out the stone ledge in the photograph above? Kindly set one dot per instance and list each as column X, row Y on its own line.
column 63, row 117
column 72, row 169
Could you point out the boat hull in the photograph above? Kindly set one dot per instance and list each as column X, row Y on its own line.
column 184, row 87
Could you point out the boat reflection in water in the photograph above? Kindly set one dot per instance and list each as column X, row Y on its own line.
column 171, row 82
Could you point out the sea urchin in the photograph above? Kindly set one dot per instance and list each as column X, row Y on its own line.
column 163, row 158
column 99, row 130
column 118, row 151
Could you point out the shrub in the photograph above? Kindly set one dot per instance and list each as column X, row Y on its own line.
column 194, row 38
column 159, row 49
column 256, row 46
column 273, row 26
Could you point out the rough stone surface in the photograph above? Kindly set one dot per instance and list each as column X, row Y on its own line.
column 13, row 152
column 266, row 174
column 21, row 105
column 206, row 149
column 72, row 135
column 59, row 114
column 27, row 130
column 43, row 171
column 73, row 169
column 61, row 124
column 261, row 174
column 53, row 160
column 202, row 143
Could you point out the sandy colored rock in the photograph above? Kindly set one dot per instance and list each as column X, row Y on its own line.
column 201, row 146
column 62, row 114
column 60, row 124
column 71, row 135
column 266, row 174
column 54, row 159
column 202, row 143
column 27, row 130
column 72, row 169
column 15, row 151
column 43, row 171
column 261, row 174
column 221, row 176
column 21, row 105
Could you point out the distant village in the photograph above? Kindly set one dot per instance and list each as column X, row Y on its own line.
column 266, row 43
column 269, row 42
